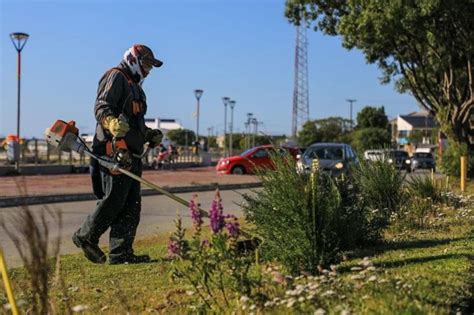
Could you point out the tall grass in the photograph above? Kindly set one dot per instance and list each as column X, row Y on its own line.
column 30, row 233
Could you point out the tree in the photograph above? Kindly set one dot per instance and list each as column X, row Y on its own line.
column 372, row 117
column 371, row 138
column 426, row 46
column 181, row 136
column 330, row 129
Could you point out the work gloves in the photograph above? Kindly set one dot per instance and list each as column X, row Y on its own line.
column 154, row 137
column 117, row 127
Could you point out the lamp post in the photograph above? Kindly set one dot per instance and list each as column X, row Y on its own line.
column 226, row 101
column 351, row 101
column 19, row 40
column 198, row 94
column 255, row 124
column 231, row 127
column 249, row 124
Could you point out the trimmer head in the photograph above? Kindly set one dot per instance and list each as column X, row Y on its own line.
column 65, row 136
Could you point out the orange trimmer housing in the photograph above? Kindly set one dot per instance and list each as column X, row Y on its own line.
column 60, row 128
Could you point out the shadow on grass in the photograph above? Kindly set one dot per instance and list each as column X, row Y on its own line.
column 403, row 245
column 419, row 260
column 466, row 305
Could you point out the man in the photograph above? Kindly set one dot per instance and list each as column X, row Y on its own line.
column 120, row 110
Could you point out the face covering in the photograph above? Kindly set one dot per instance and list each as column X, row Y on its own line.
column 131, row 59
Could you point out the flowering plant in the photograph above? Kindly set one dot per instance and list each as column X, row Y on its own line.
column 212, row 267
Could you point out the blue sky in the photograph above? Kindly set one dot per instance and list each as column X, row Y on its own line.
column 243, row 49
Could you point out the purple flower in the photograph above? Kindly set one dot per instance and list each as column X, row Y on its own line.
column 233, row 228
column 205, row 243
column 173, row 249
column 216, row 216
column 195, row 213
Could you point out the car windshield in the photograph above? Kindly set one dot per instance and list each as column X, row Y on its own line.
column 400, row 154
column 423, row 155
column 324, row 153
column 247, row 152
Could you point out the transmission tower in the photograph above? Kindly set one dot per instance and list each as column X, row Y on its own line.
column 300, row 92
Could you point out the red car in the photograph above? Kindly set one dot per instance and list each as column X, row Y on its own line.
column 253, row 158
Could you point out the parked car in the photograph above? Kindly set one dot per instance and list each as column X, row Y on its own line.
column 335, row 158
column 248, row 161
column 422, row 160
column 375, row 155
column 400, row 159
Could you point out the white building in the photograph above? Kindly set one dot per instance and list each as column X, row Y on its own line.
column 405, row 125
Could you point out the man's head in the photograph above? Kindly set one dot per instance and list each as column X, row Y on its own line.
column 140, row 60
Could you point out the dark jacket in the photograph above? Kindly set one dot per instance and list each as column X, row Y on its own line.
column 120, row 93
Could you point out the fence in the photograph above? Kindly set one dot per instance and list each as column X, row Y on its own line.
column 40, row 152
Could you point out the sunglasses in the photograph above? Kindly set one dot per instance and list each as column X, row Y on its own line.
column 146, row 66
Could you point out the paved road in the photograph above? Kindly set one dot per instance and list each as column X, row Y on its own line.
column 158, row 214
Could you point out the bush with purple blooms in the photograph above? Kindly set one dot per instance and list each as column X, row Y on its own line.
column 217, row 275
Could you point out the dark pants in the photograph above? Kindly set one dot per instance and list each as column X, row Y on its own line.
column 119, row 209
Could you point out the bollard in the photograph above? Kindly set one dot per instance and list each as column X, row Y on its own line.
column 7, row 284
column 463, row 173
column 47, row 152
column 36, row 151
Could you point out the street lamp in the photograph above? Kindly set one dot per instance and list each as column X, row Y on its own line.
column 231, row 127
column 351, row 101
column 198, row 94
column 19, row 40
column 254, row 122
column 226, row 101
column 249, row 120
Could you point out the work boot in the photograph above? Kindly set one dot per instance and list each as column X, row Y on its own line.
column 130, row 259
column 91, row 251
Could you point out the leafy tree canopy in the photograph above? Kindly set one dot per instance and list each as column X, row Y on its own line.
column 181, row 136
column 330, row 129
column 371, row 138
column 425, row 46
column 372, row 117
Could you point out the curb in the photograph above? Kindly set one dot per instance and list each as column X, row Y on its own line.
column 43, row 199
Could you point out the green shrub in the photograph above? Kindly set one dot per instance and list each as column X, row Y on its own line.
column 450, row 161
column 302, row 219
column 379, row 187
column 424, row 187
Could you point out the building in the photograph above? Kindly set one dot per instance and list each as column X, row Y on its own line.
column 416, row 128
column 162, row 123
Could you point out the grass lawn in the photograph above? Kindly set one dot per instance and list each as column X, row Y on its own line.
column 428, row 271
column 425, row 272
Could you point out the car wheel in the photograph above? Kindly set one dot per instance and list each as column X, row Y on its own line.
column 238, row 170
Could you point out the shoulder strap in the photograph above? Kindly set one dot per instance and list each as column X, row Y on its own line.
column 130, row 81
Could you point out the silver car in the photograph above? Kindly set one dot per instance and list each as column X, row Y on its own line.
column 334, row 158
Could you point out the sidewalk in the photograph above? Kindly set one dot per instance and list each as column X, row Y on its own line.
column 75, row 187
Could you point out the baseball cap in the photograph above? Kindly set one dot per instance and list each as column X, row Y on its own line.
column 147, row 55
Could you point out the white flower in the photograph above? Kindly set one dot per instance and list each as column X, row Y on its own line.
column 252, row 307
column 189, row 292
column 301, row 299
column 357, row 277
column 372, row 278
column 356, row 268
column 328, row 293
column 319, row 311
column 291, row 302
column 244, row 299
column 269, row 304
column 79, row 308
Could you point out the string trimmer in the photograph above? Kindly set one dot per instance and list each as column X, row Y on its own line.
column 65, row 136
